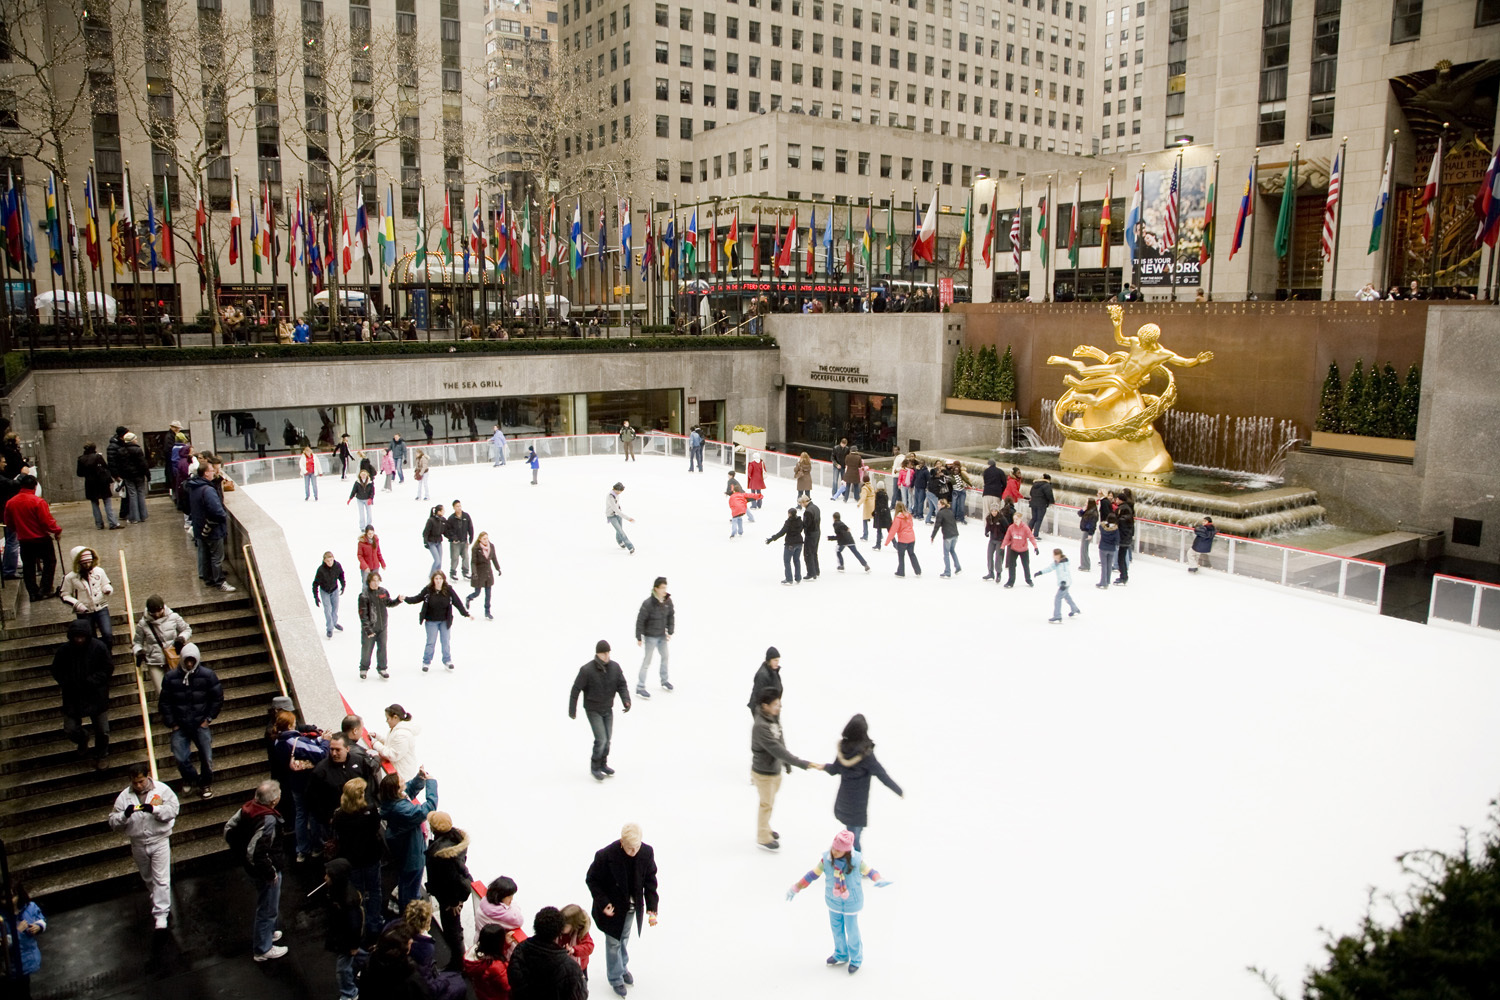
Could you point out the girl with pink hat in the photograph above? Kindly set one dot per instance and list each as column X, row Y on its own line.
column 845, row 896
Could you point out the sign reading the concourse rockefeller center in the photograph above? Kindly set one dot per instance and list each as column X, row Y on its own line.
column 838, row 373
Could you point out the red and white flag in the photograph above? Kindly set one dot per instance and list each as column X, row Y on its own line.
column 1429, row 193
column 925, row 247
column 344, row 244
column 1015, row 239
column 1330, row 208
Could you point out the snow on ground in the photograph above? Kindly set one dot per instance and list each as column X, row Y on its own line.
column 1194, row 776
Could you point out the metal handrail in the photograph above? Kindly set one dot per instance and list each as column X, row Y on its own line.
column 140, row 680
column 252, row 573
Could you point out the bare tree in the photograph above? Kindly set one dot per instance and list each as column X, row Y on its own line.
column 46, row 106
column 355, row 90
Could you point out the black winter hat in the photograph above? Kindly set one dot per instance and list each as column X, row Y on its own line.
column 772, row 653
column 601, row 646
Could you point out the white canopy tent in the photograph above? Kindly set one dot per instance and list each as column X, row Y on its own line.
column 50, row 305
column 554, row 305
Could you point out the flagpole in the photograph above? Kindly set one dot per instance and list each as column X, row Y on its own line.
column 1213, row 236
column 1291, row 236
column 1176, row 214
column 1437, row 224
column 1075, row 231
column 1388, row 220
column 59, row 208
column 1250, row 246
column 1109, row 193
column 1338, row 218
column 83, row 280
column 293, row 314
column 51, row 274
column 91, row 187
column 364, row 252
column 1016, row 249
column 133, row 244
column 1047, row 291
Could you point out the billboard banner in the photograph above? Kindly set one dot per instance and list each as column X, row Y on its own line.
column 1152, row 260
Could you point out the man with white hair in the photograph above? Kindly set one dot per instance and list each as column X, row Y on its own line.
column 145, row 813
column 622, row 881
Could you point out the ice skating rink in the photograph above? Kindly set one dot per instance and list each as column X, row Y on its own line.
column 1192, row 777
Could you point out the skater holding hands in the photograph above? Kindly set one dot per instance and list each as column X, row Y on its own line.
column 845, row 895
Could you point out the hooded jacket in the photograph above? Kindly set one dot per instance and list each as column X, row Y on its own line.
column 255, row 831
column 1064, row 571
column 855, row 766
column 1041, row 495
column 94, row 472
column 656, row 618
column 142, row 826
column 448, row 876
column 170, row 626
column 370, row 556
column 190, row 696
column 363, row 491
column 882, row 510
column 133, row 461
column 206, row 508
column 86, row 592
column 542, row 970
column 83, row 672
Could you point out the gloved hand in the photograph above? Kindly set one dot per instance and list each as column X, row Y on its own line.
column 791, row 894
column 148, row 807
column 140, row 658
column 129, row 809
column 882, row 883
column 770, row 540
column 573, row 715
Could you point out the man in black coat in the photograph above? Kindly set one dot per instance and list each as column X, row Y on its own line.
column 325, row 786
column 812, row 521
column 622, row 881
column 598, row 681
column 82, row 667
column 540, row 968
column 994, row 480
column 191, row 698
column 1041, row 498
column 459, row 530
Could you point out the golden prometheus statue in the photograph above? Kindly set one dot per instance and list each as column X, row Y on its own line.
column 1106, row 418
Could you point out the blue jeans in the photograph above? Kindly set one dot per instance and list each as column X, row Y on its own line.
column 950, row 550
column 343, row 973
column 854, row 549
column 330, row 601
column 436, row 548
column 401, row 470
column 857, row 831
column 904, row 550
column 1057, row 602
column 1038, row 515
column 367, row 882
column 108, row 509
column 660, row 645
column 616, row 952
column 620, row 537
column 603, row 726
column 960, row 498
column 791, row 561
column 267, row 909
column 695, row 455
column 309, row 485
column 408, row 885
column 847, row 946
column 497, row 455
column 184, row 738
column 10, row 563
column 736, row 525
column 135, row 499
column 1083, row 552
column 918, row 501
column 1106, row 566
column 302, row 824
column 436, row 631
column 101, row 625
column 366, row 514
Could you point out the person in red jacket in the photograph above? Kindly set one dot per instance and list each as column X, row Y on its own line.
column 30, row 517
column 738, row 508
column 370, row 558
column 1012, row 491
column 1017, row 538
column 576, row 940
column 755, row 476
column 484, row 965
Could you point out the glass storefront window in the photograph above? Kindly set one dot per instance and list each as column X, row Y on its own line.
column 646, row 409
column 817, row 418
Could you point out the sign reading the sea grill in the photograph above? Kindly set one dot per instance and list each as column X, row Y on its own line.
column 838, row 373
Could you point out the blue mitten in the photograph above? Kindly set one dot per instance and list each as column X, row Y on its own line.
column 882, row 883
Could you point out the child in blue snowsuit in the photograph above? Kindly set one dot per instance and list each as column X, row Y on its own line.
column 845, row 896
column 1064, row 581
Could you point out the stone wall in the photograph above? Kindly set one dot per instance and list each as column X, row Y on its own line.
column 90, row 403
column 1270, row 358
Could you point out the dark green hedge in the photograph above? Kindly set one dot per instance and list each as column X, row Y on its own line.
column 121, row 357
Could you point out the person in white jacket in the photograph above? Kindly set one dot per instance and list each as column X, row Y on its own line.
column 158, row 630
column 400, row 744
column 87, row 589
column 145, row 812
column 614, row 513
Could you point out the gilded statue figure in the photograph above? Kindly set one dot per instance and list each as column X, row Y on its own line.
column 1106, row 418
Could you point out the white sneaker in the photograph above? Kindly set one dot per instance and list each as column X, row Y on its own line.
column 225, row 587
column 276, row 951
column 161, row 922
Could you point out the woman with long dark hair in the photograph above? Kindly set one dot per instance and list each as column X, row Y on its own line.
column 438, row 601
column 855, row 765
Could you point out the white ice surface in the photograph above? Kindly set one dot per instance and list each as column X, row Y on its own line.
column 1192, row 777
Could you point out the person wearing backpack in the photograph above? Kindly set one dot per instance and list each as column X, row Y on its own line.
column 295, row 753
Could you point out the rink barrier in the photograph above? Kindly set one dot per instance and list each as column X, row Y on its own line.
column 1458, row 602
column 1358, row 582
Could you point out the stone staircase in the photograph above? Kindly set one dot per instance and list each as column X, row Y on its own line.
column 53, row 807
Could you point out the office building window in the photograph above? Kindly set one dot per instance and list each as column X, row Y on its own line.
column 1406, row 21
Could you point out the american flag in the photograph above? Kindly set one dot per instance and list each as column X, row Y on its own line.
column 1330, row 207
column 1015, row 239
column 1169, row 237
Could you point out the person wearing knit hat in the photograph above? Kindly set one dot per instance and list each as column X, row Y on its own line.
column 449, row 881
column 768, row 675
column 598, row 681
column 844, row 893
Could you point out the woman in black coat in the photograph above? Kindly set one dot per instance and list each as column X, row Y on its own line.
column 97, row 480
column 882, row 516
column 438, row 601
column 855, row 766
column 360, row 840
column 791, row 555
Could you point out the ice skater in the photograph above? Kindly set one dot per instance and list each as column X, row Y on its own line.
column 327, row 586
column 812, row 534
column 755, row 477
column 655, row 623
column 1041, row 498
column 486, row 569
column 1203, row 544
column 627, row 441
column 622, row 882
column 363, row 494
column 599, row 680
column 438, row 601
column 344, row 455
column 533, row 461
column 1109, row 545
column 1017, row 538
column 1064, row 580
column 432, row 536
column 422, row 473
column 844, row 893
column 373, row 602
column 791, row 552
column 881, row 516
column 769, row 757
column 854, row 765
column 459, row 530
column 387, row 469
column 845, row 539
column 614, row 514
column 995, row 524
column 945, row 522
column 739, row 508
column 695, row 449
column 497, row 447
column 904, row 537
column 309, row 474
column 1088, row 523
